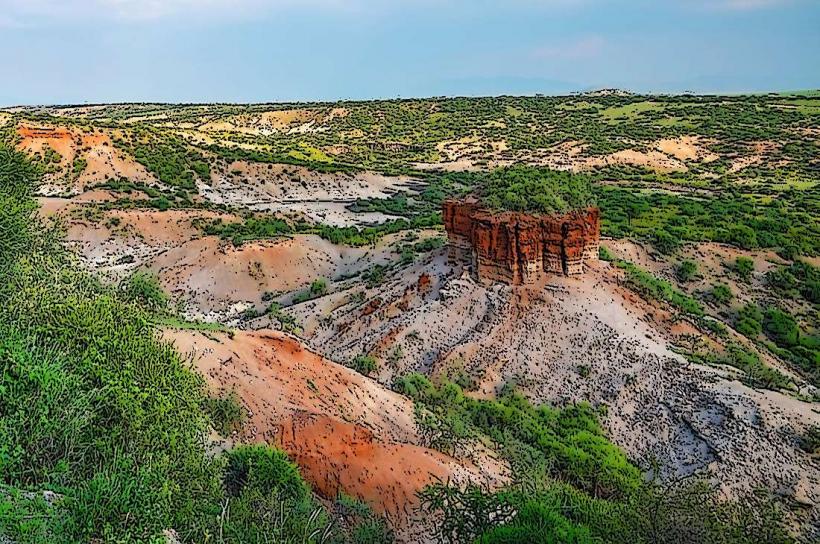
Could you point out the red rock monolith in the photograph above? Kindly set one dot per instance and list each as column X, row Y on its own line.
column 519, row 248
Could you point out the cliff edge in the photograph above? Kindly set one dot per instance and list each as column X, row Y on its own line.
column 519, row 248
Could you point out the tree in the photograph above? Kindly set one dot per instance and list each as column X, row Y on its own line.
column 364, row 364
column 666, row 243
column 781, row 327
column 749, row 321
column 465, row 514
column 744, row 266
column 686, row 270
column 743, row 236
column 144, row 288
column 318, row 287
column 721, row 293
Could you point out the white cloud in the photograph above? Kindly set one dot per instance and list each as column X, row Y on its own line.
column 742, row 5
column 7, row 21
column 32, row 11
column 582, row 48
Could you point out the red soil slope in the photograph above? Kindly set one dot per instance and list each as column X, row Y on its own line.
column 519, row 248
column 345, row 431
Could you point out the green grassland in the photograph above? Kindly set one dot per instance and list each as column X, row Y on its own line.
column 97, row 410
column 103, row 434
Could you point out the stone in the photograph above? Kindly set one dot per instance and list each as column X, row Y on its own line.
column 519, row 248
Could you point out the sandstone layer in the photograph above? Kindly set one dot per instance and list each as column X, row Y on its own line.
column 519, row 248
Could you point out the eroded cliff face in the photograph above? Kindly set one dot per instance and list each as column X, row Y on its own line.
column 519, row 248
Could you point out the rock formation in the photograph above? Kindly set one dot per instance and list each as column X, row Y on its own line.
column 519, row 248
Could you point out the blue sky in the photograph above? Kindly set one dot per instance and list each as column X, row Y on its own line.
column 77, row 51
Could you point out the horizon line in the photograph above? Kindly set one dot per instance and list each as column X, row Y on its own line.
column 612, row 90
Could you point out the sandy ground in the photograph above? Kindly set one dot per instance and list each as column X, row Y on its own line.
column 290, row 121
column 210, row 278
column 666, row 155
column 690, row 418
column 103, row 160
column 332, row 212
column 345, row 431
column 287, row 183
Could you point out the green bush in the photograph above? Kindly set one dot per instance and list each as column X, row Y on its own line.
column 269, row 501
column 781, row 280
column 605, row 254
column 263, row 468
column 799, row 278
column 757, row 373
column 569, row 441
column 538, row 523
column 375, row 275
column 317, row 289
column 749, row 321
column 226, row 413
column 650, row 286
column 360, row 524
column 744, row 266
column 810, row 441
column 143, row 288
column 687, row 510
column 364, row 364
column 666, row 242
column 721, row 293
column 781, row 327
column 686, row 270
column 727, row 218
column 529, row 189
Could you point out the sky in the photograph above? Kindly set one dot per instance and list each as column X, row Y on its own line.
column 95, row 51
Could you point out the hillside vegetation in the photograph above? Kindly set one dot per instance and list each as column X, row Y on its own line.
column 325, row 219
column 104, row 435
column 103, row 426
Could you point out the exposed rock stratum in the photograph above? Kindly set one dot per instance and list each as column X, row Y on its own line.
column 519, row 248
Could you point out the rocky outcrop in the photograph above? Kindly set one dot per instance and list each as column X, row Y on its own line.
column 519, row 248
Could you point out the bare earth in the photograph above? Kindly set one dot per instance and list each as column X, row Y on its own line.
column 346, row 432
column 689, row 417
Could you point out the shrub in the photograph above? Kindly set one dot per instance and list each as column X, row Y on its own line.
column 360, row 524
column 810, row 442
column 781, row 280
column 686, row 270
column 364, row 364
column 265, row 469
column 604, row 254
column 800, row 278
column 143, row 288
column 648, row 285
column 688, row 511
column 269, row 501
column 317, row 289
column 529, row 189
column 744, row 266
column 568, row 443
column 374, row 275
column 742, row 236
column 749, row 321
column 226, row 412
column 757, row 373
column 781, row 328
column 721, row 293
column 666, row 243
